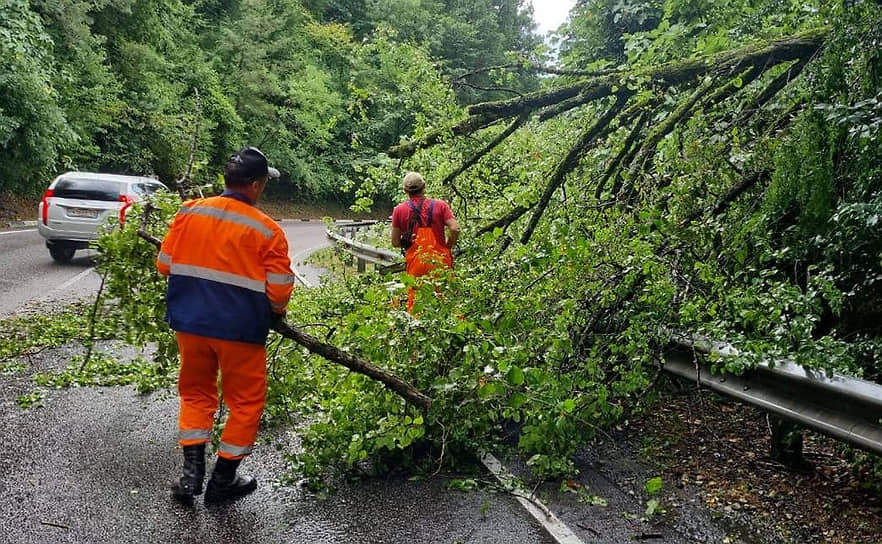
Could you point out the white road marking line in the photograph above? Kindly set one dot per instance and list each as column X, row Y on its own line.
column 17, row 231
column 299, row 256
column 551, row 523
column 67, row 284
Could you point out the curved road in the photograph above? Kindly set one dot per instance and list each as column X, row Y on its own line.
column 28, row 274
column 93, row 465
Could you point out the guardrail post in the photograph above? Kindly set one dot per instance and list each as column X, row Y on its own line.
column 360, row 266
column 786, row 442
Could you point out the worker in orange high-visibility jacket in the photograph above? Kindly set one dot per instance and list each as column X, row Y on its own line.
column 229, row 278
column 418, row 227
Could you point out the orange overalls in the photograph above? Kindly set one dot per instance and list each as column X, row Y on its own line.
column 426, row 253
column 229, row 273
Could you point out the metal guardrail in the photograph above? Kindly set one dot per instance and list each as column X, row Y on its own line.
column 364, row 253
column 848, row 409
column 845, row 408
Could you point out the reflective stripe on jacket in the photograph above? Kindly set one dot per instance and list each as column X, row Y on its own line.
column 228, row 269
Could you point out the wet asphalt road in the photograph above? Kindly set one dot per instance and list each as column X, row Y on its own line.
column 93, row 465
column 28, row 273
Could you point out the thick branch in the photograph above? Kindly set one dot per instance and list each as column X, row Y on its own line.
column 663, row 129
column 505, row 221
column 337, row 355
column 626, row 152
column 586, row 141
column 762, row 57
column 627, row 157
column 486, row 149
column 538, row 68
column 735, row 85
column 490, row 89
column 668, row 124
column 725, row 200
column 467, row 126
column 329, row 352
column 772, row 90
column 699, row 97
column 667, row 75
column 142, row 231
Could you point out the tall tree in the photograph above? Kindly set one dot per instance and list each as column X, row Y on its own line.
column 35, row 135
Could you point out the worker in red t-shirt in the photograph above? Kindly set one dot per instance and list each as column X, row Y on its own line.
column 418, row 227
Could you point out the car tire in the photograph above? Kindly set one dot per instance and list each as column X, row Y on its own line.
column 62, row 255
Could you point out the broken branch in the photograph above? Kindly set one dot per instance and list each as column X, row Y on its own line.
column 625, row 153
column 486, row 149
column 772, row 89
column 329, row 352
column 724, row 201
column 356, row 364
column 595, row 132
column 538, row 68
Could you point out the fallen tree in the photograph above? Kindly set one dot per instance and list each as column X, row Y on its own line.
column 560, row 333
column 761, row 57
column 713, row 80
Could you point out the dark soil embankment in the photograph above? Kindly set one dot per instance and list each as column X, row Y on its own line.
column 19, row 208
column 719, row 449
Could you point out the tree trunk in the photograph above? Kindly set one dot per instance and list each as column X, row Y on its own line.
column 761, row 57
column 356, row 364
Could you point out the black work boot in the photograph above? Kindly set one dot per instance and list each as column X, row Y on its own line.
column 225, row 485
column 190, row 483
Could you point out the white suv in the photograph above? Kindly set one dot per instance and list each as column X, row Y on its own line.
column 78, row 203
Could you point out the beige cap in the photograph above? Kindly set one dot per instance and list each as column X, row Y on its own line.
column 413, row 182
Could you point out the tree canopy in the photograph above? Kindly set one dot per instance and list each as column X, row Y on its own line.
column 319, row 86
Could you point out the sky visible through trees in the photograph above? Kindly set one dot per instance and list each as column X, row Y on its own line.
column 550, row 14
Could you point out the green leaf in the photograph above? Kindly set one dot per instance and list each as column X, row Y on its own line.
column 515, row 376
column 488, row 390
column 568, row 406
column 516, row 400
column 653, row 485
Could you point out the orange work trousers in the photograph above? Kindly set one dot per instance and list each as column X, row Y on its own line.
column 424, row 256
column 243, row 383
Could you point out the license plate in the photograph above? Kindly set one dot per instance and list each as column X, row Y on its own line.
column 82, row 212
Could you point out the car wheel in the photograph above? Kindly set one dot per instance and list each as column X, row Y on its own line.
column 62, row 255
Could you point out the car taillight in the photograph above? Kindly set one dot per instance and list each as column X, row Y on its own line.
column 127, row 201
column 45, row 203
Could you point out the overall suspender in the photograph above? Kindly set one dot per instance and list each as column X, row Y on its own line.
column 418, row 212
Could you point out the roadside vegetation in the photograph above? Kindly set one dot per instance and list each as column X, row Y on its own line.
column 691, row 165
column 320, row 86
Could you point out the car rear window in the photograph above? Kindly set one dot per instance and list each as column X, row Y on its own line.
column 87, row 189
column 146, row 189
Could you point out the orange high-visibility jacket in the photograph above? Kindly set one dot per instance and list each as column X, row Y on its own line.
column 228, row 269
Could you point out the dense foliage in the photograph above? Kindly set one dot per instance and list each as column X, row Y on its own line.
column 697, row 166
column 739, row 204
column 122, row 85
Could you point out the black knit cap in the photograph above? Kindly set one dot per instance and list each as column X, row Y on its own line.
column 246, row 165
